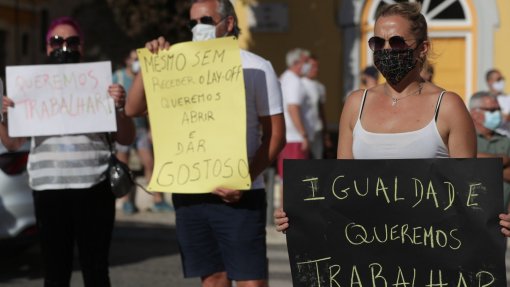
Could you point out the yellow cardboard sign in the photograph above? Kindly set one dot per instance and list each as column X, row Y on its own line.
column 197, row 110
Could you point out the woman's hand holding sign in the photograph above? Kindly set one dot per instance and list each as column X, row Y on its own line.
column 126, row 131
column 11, row 144
column 505, row 223
column 6, row 103
column 281, row 220
column 118, row 94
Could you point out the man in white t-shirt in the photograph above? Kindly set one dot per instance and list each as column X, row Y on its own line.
column 221, row 234
column 296, row 105
column 316, row 116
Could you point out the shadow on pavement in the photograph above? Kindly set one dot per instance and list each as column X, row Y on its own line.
column 132, row 242
column 20, row 263
column 135, row 241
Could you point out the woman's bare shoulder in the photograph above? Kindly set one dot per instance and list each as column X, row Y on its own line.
column 351, row 107
column 354, row 96
column 452, row 101
column 453, row 110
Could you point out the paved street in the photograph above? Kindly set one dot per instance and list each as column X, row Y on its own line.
column 144, row 253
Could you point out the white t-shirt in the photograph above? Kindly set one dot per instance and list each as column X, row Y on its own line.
column 294, row 94
column 504, row 104
column 316, row 93
column 263, row 98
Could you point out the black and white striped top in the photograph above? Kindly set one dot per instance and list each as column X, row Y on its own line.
column 67, row 162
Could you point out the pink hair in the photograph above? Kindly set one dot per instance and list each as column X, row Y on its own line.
column 66, row 20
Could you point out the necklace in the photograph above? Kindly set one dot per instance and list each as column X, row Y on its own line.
column 395, row 100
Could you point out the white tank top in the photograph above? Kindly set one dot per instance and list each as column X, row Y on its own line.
column 423, row 143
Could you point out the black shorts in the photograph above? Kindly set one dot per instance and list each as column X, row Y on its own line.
column 215, row 236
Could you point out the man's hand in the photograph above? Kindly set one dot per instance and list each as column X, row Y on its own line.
column 228, row 195
column 158, row 44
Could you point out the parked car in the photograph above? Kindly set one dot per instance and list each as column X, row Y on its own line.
column 17, row 219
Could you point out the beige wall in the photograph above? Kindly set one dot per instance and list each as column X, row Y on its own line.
column 502, row 41
column 312, row 26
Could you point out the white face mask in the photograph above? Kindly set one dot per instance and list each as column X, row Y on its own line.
column 305, row 69
column 135, row 67
column 499, row 86
column 203, row 32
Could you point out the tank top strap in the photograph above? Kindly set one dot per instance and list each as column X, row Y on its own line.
column 436, row 112
column 362, row 103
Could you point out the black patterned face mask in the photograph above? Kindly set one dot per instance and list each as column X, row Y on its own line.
column 393, row 64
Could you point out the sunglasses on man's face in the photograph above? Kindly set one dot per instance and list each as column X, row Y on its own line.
column 72, row 42
column 208, row 20
column 396, row 42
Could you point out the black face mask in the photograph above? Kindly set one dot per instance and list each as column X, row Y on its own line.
column 60, row 56
column 393, row 64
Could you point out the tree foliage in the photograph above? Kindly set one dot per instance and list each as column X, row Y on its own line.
column 149, row 17
column 114, row 27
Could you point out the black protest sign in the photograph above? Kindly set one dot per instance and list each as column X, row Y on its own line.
column 401, row 223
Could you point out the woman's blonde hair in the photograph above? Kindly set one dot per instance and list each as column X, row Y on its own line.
column 410, row 11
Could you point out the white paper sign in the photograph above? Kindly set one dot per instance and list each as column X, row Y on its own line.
column 60, row 99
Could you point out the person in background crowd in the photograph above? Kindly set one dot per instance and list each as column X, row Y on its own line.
column 222, row 235
column 495, row 82
column 142, row 143
column 369, row 77
column 297, row 105
column 316, row 115
column 487, row 117
column 73, row 200
column 299, row 131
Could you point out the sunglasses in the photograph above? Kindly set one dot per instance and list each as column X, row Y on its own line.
column 72, row 43
column 490, row 109
column 396, row 42
column 208, row 20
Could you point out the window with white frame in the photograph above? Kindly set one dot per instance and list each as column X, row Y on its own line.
column 437, row 12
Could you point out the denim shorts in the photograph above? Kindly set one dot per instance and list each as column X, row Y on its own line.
column 215, row 236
